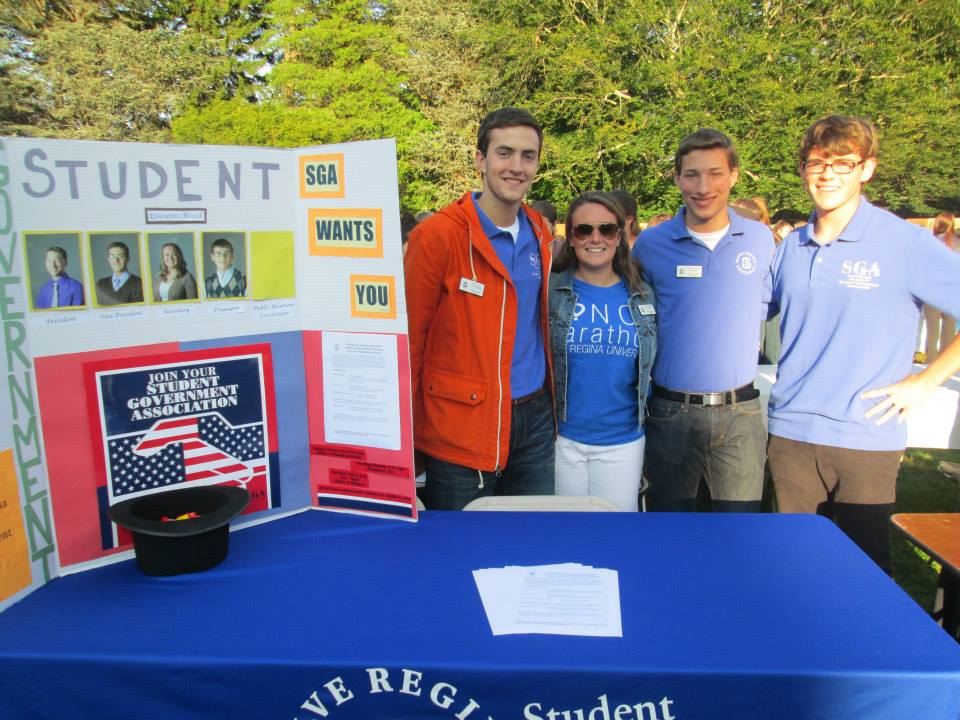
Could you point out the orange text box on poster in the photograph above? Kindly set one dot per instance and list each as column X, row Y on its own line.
column 373, row 296
column 346, row 233
column 321, row 176
column 14, row 556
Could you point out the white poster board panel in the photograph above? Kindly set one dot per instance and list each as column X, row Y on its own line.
column 139, row 256
column 27, row 550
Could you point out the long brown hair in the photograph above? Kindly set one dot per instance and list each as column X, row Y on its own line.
column 943, row 228
column 181, row 263
column 624, row 264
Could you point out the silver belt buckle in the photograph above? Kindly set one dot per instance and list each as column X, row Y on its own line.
column 713, row 398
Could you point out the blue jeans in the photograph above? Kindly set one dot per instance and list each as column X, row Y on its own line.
column 529, row 469
column 723, row 445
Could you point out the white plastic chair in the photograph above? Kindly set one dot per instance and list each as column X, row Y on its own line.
column 542, row 503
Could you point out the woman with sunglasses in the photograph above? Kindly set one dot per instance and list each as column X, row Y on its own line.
column 603, row 337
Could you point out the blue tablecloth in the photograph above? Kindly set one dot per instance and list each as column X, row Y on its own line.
column 730, row 617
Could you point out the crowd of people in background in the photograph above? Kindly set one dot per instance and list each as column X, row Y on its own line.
column 614, row 361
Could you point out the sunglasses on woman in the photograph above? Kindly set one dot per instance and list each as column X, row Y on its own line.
column 583, row 231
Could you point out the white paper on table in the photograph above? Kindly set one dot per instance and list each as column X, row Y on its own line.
column 499, row 589
column 361, row 390
column 566, row 599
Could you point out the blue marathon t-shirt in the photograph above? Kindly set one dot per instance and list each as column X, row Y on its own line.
column 602, row 368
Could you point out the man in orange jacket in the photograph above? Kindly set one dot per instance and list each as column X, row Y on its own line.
column 476, row 278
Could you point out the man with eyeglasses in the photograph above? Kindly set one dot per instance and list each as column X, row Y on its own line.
column 707, row 267
column 849, row 286
column 476, row 286
column 122, row 286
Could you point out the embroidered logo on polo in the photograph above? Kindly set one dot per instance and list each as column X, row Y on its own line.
column 859, row 274
column 746, row 262
column 535, row 265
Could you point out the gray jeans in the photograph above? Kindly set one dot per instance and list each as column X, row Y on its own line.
column 725, row 446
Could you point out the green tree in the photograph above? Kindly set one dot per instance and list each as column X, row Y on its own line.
column 81, row 70
column 110, row 82
column 448, row 68
column 333, row 81
column 618, row 84
column 20, row 22
column 236, row 30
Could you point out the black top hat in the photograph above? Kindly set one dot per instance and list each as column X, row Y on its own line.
column 174, row 546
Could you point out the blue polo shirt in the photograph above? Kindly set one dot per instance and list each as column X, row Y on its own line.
column 848, row 321
column 528, row 368
column 710, row 304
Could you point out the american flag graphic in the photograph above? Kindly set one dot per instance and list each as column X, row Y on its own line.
column 202, row 448
column 197, row 417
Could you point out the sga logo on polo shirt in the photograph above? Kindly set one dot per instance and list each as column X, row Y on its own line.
column 746, row 262
column 535, row 265
column 859, row 274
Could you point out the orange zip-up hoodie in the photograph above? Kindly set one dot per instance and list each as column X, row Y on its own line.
column 461, row 343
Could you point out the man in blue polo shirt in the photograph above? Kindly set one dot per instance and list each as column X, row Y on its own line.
column 476, row 285
column 849, row 287
column 707, row 266
column 61, row 290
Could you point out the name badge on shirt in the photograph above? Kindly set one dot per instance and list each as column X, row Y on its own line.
column 647, row 310
column 471, row 286
column 689, row 271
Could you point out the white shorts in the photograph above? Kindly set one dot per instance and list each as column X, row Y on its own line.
column 613, row 472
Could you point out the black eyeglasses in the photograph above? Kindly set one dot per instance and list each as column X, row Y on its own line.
column 583, row 231
column 840, row 167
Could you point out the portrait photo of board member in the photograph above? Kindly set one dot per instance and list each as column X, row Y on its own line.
column 48, row 256
column 223, row 265
column 171, row 257
column 120, row 253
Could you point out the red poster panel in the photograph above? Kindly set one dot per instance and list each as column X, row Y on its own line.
column 153, row 421
column 356, row 478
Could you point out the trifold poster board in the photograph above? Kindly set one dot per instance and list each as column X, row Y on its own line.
column 195, row 314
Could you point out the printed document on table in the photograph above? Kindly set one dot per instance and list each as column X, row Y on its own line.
column 567, row 599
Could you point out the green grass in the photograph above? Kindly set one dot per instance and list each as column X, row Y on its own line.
column 921, row 488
